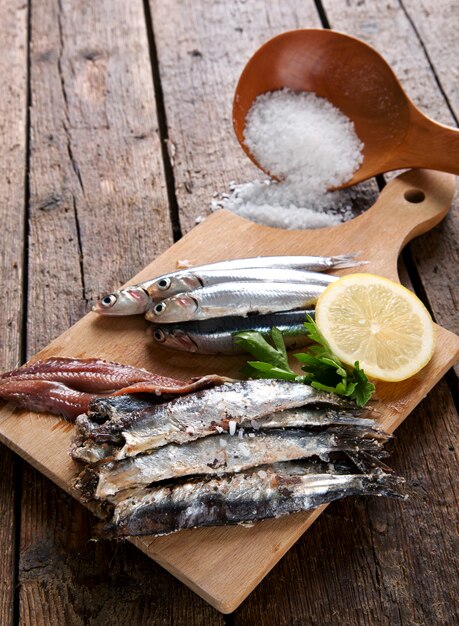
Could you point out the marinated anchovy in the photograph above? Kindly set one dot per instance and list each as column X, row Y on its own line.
column 306, row 417
column 215, row 336
column 45, row 396
column 40, row 386
column 199, row 414
column 196, row 278
column 91, row 375
column 238, row 498
column 219, row 455
column 138, row 298
column 87, row 450
column 235, row 299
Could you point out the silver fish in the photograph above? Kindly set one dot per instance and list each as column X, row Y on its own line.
column 234, row 299
column 306, row 263
column 307, row 417
column 195, row 278
column 193, row 416
column 87, row 450
column 222, row 454
column 119, row 303
column 129, row 301
column 237, row 498
column 215, row 336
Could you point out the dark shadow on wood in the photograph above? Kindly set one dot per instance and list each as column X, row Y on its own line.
column 18, row 463
column 429, row 61
column 322, row 14
column 162, row 125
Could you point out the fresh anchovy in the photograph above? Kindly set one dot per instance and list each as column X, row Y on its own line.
column 137, row 298
column 128, row 301
column 219, row 455
column 215, row 336
column 304, row 263
column 238, row 498
column 196, row 415
column 196, row 278
column 65, row 386
column 90, row 451
column 235, row 299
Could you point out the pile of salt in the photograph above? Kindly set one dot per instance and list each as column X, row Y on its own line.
column 310, row 146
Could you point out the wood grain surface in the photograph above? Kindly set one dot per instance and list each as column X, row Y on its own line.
column 223, row 565
column 97, row 55
column 13, row 114
column 98, row 213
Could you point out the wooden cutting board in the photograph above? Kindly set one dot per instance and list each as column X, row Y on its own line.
column 223, row 565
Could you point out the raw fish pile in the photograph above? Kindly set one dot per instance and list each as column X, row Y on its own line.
column 200, row 309
column 234, row 453
column 162, row 454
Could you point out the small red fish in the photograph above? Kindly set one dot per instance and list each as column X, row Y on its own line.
column 65, row 386
column 90, row 375
column 170, row 385
column 46, row 396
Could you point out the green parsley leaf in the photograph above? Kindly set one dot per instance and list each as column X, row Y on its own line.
column 273, row 371
column 323, row 370
column 363, row 388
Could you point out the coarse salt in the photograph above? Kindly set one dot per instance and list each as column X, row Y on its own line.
column 308, row 144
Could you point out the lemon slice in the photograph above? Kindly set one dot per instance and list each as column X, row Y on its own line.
column 377, row 322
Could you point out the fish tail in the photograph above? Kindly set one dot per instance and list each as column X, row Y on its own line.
column 350, row 439
column 346, row 260
column 381, row 484
column 368, row 463
column 86, row 483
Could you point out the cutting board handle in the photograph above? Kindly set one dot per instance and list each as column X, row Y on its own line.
column 409, row 205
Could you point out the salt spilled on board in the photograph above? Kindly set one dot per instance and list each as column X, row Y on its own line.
column 310, row 146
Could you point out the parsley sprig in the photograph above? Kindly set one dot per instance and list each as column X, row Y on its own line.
column 323, row 370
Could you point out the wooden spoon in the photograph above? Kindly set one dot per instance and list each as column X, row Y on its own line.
column 359, row 82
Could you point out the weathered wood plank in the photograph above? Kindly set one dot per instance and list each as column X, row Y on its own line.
column 436, row 23
column 13, row 108
column 98, row 203
column 212, row 43
column 67, row 579
column 98, row 213
column 378, row 561
column 7, row 535
column 386, row 26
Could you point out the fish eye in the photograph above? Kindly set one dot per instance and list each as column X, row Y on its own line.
column 159, row 308
column 164, row 283
column 159, row 336
column 109, row 300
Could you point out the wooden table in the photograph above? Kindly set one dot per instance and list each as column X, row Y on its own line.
column 115, row 123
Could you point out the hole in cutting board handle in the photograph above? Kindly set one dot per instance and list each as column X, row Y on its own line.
column 415, row 196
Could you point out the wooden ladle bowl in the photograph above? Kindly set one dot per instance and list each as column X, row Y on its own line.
column 359, row 82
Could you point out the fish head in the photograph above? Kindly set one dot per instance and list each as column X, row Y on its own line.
column 129, row 301
column 179, row 308
column 165, row 286
column 174, row 338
